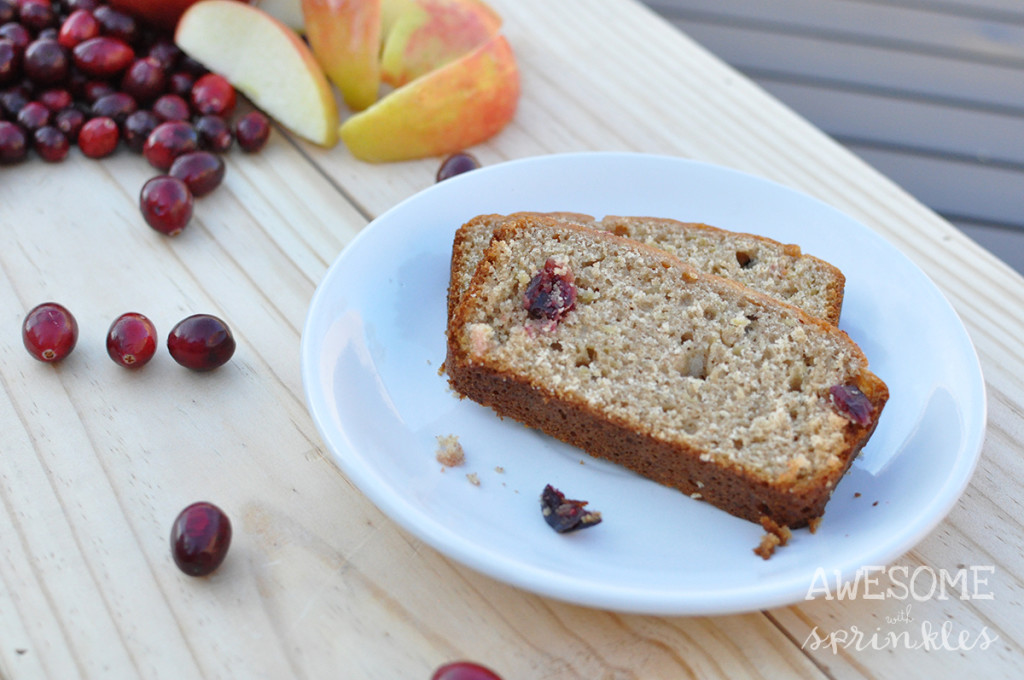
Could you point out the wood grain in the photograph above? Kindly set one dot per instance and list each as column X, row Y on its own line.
column 96, row 462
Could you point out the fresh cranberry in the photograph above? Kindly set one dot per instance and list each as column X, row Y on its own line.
column 137, row 128
column 214, row 134
column 8, row 11
column 456, row 164
column 464, row 670
column 201, row 171
column 45, row 62
column 13, row 100
column 252, row 131
column 33, row 116
column 131, row 340
column 70, row 121
column 96, row 89
column 116, row 105
column 171, row 107
column 98, row 137
column 180, row 83
column 74, row 5
column 36, row 15
column 201, row 342
column 17, row 34
column 166, row 204
column 13, row 143
column 200, row 538
column 144, row 80
column 51, row 144
column 166, row 54
column 49, row 332
column 10, row 61
column 168, row 141
column 103, row 56
column 80, row 26
column 213, row 95
column 55, row 99
column 117, row 24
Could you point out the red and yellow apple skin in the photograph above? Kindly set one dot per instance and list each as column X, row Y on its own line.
column 452, row 108
column 160, row 13
column 266, row 61
column 345, row 37
column 421, row 36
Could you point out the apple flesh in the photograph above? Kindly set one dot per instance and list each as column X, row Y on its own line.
column 452, row 108
column 421, row 36
column 345, row 37
column 160, row 13
column 266, row 61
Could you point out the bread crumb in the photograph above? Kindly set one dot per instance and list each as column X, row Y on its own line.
column 449, row 451
column 500, row 470
column 774, row 537
column 473, row 478
column 767, row 547
column 772, row 527
column 814, row 524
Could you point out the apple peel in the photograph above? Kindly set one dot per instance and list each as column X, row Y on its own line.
column 420, row 36
column 264, row 60
column 449, row 109
column 344, row 35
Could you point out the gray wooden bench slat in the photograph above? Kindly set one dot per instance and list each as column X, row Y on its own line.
column 913, row 26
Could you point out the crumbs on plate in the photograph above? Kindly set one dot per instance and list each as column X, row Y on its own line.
column 449, row 451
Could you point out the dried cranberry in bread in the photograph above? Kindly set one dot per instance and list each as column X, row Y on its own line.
column 689, row 379
column 776, row 269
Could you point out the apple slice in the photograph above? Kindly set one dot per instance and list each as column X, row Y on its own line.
column 345, row 37
column 421, row 36
column 447, row 110
column 266, row 61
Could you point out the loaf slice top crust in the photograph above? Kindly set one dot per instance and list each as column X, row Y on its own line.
column 708, row 367
column 776, row 269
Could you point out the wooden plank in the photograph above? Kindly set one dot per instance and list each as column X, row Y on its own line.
column 999, row 10
column 912, row 27
column 942, row 79
column 988, row 194
column 967, row 134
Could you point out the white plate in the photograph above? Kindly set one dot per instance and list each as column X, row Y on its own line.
column 374, row 341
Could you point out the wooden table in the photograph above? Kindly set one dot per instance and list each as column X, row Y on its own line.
column 96, row 461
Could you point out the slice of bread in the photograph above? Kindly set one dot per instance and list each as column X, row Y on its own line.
column 776, row 269
column 689, row 379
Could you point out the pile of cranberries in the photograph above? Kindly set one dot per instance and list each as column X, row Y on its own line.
column 79, row 72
